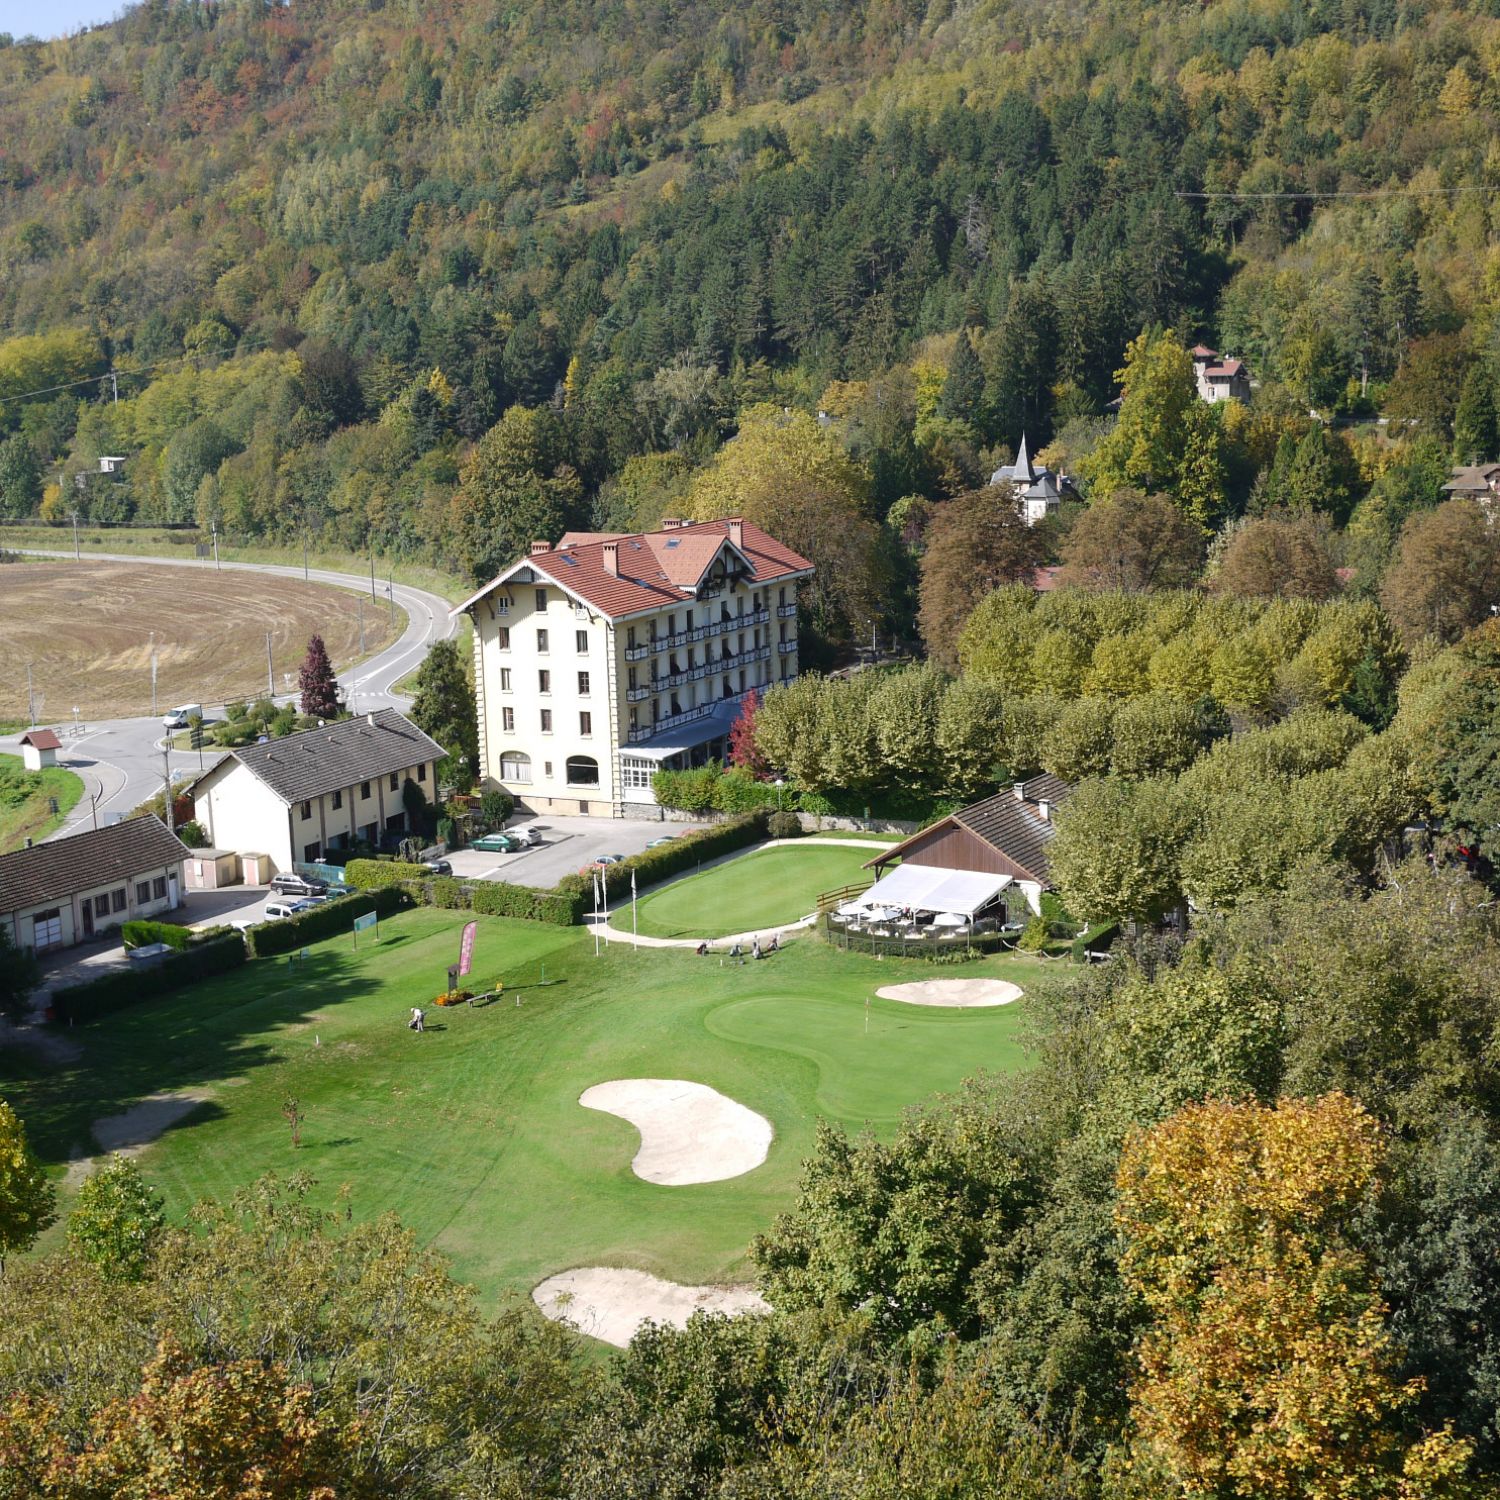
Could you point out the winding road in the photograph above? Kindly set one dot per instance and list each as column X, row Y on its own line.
column 121, row 760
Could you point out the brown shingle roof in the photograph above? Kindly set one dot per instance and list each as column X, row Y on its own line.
column 42, row 739
column 1007, row 823
column 302, row 766
column 55, row 871
column 655, row 568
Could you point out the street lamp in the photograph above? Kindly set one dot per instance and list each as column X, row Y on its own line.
column 75, row 721
column 779, row 784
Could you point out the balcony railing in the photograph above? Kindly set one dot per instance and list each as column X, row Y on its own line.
column 699, row 633
column 786, row 611
column 671, row 721
column 786, row 647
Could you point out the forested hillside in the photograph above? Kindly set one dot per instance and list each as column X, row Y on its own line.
column 327, row 249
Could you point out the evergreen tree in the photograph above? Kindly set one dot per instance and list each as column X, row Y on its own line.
column 963, row 390
column 20, row 478
column 320, row 688
column 443, row 707
column 1476, row 424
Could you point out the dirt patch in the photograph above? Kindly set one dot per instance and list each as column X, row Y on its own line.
column 143, row 1123
column 85, row 627
column 689, row 1132
column 611, row 1304
column 963, row 993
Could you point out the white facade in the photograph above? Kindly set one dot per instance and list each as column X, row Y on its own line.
column 577, row 710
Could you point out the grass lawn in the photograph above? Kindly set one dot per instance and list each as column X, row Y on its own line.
column 25, row 812
column 472, row 1133
column 768, row 888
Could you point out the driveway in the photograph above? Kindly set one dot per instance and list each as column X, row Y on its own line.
column 568, row 844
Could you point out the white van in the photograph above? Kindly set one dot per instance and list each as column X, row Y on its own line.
column 178, row 717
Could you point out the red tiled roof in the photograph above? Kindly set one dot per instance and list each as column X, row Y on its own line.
column 1227, row 371
column 1202, row 351
column 655, row 567
column 42, row 739
column 1044, row 580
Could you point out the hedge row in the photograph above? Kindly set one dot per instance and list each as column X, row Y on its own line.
column 142, row 934
column 78, row 1004
column 666, row 860
column 497, row 899
column 327, row 920
column 375, row 874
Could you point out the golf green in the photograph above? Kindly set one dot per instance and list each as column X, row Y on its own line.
column 472, row 1132
column 765, row 889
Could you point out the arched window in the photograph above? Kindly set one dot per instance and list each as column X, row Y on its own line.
column 583, row 770
column 515, row 766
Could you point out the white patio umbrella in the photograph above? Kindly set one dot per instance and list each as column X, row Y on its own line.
column 851, row 909
column 949, row 919
column 883, row 913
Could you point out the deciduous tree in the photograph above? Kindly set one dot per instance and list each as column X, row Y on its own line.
column 1279, row 557
column 27, row 1197
column 117, row 1219
column 443, row 706
column 1446, row 572
column 1132, row 541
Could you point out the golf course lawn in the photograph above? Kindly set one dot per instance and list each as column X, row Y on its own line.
column 472, row 1133
column 767, row 888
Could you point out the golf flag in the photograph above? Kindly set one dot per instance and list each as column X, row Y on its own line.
column 466, row 949
column 632, row 904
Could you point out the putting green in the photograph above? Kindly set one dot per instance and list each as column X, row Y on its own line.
column 472, row 1133
column 767, row 888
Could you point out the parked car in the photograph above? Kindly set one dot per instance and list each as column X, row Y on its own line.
column 292, row 884
column 531, row 837
column 437, row 866
column 276, row 910
column 610, row 859
column 177, row 718
column 497, row 843
column 666, row 838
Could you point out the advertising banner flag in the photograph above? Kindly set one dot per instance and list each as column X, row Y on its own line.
column 466, row 952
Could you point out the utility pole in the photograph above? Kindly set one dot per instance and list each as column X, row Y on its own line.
column 215, row 526
column 30, row 700
column 390, row 591
column 304, row 554
column 153, row 674
column 114, row 380
column 166, row 771
column 270, row 676
column 372, row 575
column 77, row 556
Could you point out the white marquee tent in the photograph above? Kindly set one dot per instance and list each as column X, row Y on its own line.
column 932, row 888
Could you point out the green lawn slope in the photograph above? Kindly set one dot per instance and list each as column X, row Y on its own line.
column 25, row 808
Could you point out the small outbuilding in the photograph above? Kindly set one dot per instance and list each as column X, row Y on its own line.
column 39, row 749
column 209, row 869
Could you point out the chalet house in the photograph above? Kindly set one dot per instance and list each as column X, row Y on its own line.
column 608, row 657
column 1480, row 482
column 977, row 855
column 295, row 798
column 72, row 890
column 1220, row 379
column 1039, row 491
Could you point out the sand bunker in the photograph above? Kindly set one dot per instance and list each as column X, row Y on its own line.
column 689, row 1132
column 138, row 1127
column 959, row 992
column 611, row 1304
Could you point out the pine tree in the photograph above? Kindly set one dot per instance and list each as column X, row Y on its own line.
column 964, row 388
column 444, row 708
column 320, row 688
column 1476, row 425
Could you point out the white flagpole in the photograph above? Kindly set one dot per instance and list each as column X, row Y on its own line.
column 595, row 881
column 633, row 931
column 604, row 897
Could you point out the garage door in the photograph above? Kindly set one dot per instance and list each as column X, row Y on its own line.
column 47, row 930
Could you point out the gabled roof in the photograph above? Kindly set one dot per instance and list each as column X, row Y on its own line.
column 1472, row 478
column 1226, row 371
column 1010, row 822
column 1202, row 351
column 104, row 856
column 41, row 739
column 302, row 766
column 652, row 568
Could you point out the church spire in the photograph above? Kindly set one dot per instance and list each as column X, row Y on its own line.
column 1022, row 466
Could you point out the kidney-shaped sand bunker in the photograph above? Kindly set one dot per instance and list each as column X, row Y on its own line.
column 689, row 1132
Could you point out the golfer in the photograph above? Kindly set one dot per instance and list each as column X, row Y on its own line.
column 417, row 1018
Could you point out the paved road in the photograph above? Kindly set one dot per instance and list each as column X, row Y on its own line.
column 121, row 760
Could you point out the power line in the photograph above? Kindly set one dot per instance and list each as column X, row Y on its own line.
column 1347, row 193
column 114, row 374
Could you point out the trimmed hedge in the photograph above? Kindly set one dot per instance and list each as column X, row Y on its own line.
column 374, row 874
column 684, row 853
column 142, row 934
column 498, row 899
column 268, row 938
column 81, row 1003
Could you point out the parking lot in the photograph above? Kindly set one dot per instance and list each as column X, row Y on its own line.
column 568, row 844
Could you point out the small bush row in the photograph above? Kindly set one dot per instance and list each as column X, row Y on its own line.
column 374, row 874
column 143, row 934
column 498, row 899
column 290, row 933
column 683, row 853
column 79, row 1004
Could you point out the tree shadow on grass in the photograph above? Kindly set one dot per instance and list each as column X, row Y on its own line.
column 190, row 1039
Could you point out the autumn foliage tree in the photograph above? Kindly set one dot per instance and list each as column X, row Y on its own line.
column 1266, row 1368
column 1132, row 541
column 1446, row 572
column 743, row 750
column 316, row 680
column 1279, row 557
column 27, row 1197
column 975, row 543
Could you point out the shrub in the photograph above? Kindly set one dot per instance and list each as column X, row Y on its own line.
column 495, row 807
column 143, row 934
column 681, row 854
column 373, row 874
column 561, row 908
column 82, row 1003
column 269, row 938
column 1095, row 939
column 784, row 825
column 1034, row 938
column 193, row 834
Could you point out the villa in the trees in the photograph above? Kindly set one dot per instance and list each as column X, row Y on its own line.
column 1039, row 490
column 610, row 656
column 1219, row 379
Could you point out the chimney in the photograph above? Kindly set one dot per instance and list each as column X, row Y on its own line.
column 737, row 531
column 28, row 843
column 537, row 548
column 612, row 559
column 1044, row 807
column 670, row 523
column 1020, row 791
column 370, row 720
